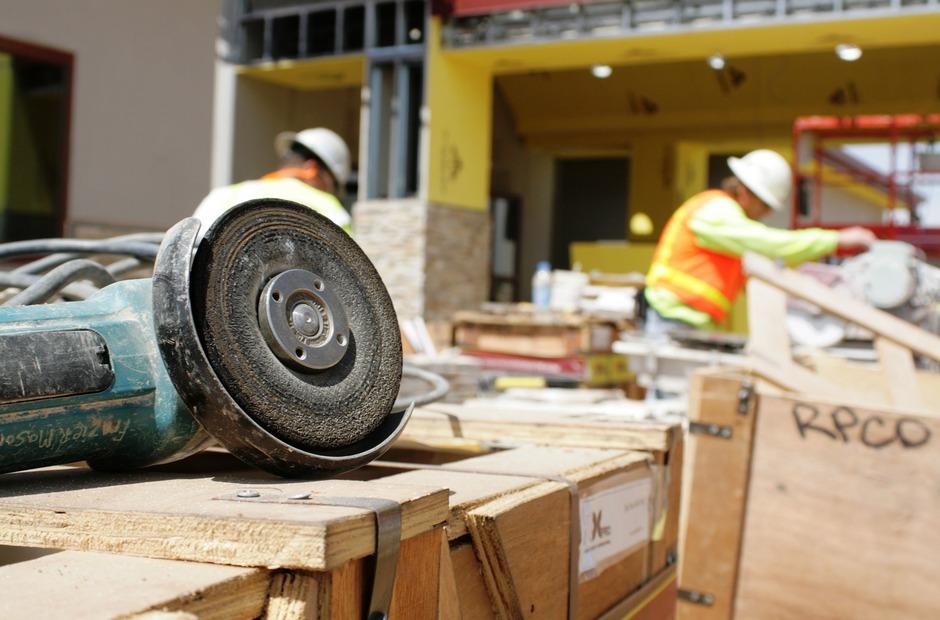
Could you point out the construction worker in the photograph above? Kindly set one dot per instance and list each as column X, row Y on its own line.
column 314, row 170
column 697, row 273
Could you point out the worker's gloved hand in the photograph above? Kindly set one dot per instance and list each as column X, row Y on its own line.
column 856, row 237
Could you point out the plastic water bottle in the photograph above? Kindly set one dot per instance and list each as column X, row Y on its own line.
column 542, row 286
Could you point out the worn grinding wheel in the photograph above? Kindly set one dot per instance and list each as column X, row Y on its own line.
column 341, row 404
column 286, row 346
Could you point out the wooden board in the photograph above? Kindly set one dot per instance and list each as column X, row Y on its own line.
column 448, row 597
column 871, row 385
column 537, row 335
column 522, row 543
column 343, row 593
column 897, row 364
column 180, row 516
column 656, row 600
column 841, row 513
column 469, row 584
column 467, row 490
column 842, row 306
column 548, row 427
column 712, row 510
column 795, row 378
column 294, row 595
column 416, row 582
column 767, row 320
column 78, row 585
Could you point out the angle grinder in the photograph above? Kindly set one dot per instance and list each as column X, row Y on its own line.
column 269, row 332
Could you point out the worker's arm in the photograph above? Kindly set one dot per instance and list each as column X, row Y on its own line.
column 722, row 226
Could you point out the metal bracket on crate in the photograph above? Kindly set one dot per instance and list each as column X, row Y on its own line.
column 747, row 398
column 714, row 430
column 387, row 536
column 696, row 597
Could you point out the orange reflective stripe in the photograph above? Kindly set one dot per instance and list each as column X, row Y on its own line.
column 673, row 228
column 691, row 284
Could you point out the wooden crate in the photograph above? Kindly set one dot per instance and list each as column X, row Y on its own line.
column 567, row 426
column 552, row 335
column 804, row 506
column 517, row 513
column 319, row 554
column 498, row 545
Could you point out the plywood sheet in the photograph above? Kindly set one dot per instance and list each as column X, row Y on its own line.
column 181, row 516
column 841, row 513
column 79, row 585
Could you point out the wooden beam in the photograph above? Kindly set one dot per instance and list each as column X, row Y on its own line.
column 767, row 323
column 897, row 365
column 842, row 306
column 713, row 497
column 796, row 378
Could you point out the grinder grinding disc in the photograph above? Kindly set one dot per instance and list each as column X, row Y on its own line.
column 311, row 408
column 287, row 349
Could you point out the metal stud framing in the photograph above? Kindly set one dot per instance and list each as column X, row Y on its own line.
column 390, row 33
column 606, row 18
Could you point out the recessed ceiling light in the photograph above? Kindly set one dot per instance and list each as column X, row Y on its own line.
column 848, row 52
column 601, row 71
column 716, row 62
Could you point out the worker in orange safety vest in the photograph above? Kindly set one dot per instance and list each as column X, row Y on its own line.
column 696, row 272
column 315, row 165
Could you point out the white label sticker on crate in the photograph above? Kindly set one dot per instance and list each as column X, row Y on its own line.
column 615, row 521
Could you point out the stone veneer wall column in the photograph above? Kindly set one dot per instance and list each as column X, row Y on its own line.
column 433, row 259
column 457, row 267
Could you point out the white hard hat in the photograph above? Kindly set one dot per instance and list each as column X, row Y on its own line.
column 322, row 142
column 767, row 174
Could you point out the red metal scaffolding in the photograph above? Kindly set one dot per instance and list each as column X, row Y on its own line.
column 815, row 146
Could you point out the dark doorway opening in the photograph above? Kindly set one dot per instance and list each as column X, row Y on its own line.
column 35, row 113
column 718, row 168
column 590, row 203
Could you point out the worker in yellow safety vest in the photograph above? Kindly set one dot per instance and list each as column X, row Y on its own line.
column 696, row 271
column 314, row 170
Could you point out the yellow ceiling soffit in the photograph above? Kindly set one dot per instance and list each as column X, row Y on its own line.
column 728, row 118
column 311, row 74
column 748, row 40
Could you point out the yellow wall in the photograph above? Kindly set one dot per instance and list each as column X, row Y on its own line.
column 611, row 257
column 460, row 100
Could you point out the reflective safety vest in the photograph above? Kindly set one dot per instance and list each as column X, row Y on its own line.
column 703, row 279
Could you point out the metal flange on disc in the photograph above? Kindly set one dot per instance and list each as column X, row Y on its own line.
column 281, row 338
